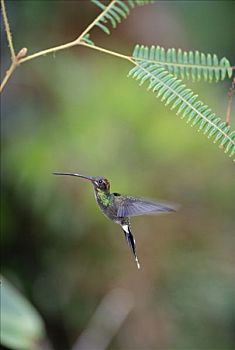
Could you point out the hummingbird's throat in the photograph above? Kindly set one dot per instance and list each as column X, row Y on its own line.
column 103, row 197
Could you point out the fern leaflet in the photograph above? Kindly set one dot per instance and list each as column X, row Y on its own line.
column 116, row 11
column 172, row 91
column 86, row 39
column 193, row 65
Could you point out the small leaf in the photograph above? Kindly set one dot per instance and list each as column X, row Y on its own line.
column 86, row 39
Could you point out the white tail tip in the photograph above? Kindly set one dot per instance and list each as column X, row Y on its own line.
column 137, row 262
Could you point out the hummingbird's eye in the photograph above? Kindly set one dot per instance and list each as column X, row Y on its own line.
column 100, row 181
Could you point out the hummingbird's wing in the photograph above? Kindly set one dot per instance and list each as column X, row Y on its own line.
column 131, row 206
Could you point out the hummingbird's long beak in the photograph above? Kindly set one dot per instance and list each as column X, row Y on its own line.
column 75, row 174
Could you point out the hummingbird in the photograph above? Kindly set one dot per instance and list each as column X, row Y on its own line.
column 119, row 208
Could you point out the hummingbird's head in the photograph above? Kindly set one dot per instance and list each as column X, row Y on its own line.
column 99, row 183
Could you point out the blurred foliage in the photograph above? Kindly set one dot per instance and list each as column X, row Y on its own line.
column 77, row 111
column 21, row 325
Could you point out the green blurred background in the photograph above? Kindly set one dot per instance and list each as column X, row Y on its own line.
column 77, row 111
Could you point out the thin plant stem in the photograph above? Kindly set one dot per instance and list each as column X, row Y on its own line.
column 96, row 20
column 21, row 54
column 113, row 53
column 8, row 31
column 50, row 50
column 71, row 44
column 8, row 74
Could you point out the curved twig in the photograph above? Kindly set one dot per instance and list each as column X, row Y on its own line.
column 8, row 31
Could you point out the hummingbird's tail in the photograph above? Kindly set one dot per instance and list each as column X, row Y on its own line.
column 131, row 241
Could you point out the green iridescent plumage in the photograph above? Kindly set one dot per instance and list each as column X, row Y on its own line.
column 104, row 198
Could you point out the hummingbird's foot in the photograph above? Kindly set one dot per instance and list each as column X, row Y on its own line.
column 131, row 241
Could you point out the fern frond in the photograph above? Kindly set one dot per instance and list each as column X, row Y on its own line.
column 116, row 11
column 173, row 92
column 193, row 65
